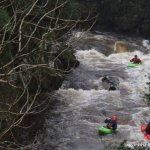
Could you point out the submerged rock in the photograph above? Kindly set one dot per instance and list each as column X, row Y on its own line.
column 121, row 46
column 110, row 83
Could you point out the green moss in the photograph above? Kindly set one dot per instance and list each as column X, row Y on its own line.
column 65, row 58
column 4, row 18
column 47, row 79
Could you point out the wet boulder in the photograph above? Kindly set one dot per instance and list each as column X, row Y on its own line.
column 110, row 83
column 112, row 88
column 120, row 47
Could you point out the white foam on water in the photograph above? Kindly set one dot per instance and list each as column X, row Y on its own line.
column 146, row 44
column 88, row 104
column 135, row 84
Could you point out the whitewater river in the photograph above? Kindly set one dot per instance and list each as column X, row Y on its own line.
column 82, row 104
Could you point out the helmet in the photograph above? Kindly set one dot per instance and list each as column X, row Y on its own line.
column 135, row 55
column 114, row 118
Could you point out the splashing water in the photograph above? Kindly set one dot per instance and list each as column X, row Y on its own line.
column 82, row 104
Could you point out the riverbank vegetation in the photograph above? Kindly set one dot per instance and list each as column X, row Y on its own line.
column 120, row 16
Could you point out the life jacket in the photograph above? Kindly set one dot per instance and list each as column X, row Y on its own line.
column 135, row 60
column 112, row 124
column 147, row 130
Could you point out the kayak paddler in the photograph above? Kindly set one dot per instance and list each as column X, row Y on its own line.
column 136, row 60
column 111, row 122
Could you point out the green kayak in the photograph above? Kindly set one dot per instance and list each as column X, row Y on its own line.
column 105, row 130
column 132, row 65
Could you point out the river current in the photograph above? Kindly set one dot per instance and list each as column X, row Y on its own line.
column 82, row 103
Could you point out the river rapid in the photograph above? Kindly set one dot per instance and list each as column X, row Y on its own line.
column 82, row 103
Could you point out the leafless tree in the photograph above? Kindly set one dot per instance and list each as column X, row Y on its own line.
column 31, row 34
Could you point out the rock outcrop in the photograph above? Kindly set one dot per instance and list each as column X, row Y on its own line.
column 120, row 47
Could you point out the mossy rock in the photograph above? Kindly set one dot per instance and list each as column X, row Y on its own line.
column 4, row 18
column 3, row 123
column 7, row 94
column 47, row 79
column 66, row 59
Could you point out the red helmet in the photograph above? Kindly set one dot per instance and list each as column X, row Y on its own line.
column 114, row 118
